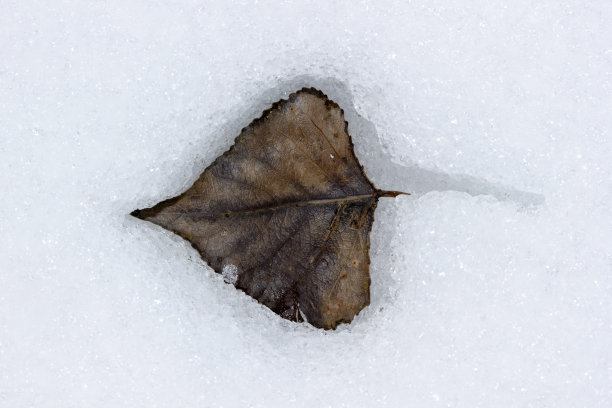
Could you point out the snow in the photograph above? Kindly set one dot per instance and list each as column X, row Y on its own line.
column 230, row 273
column 491, row 284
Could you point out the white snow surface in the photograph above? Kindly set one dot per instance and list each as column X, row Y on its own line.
column 491, row 284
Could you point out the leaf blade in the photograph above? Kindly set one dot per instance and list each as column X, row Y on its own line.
column 290, row 208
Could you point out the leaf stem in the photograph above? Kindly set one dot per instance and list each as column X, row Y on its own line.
column 385, row 193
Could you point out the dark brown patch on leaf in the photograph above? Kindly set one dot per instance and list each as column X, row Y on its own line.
column 285, row 214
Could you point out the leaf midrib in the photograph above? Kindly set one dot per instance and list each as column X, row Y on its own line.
column 296, row 204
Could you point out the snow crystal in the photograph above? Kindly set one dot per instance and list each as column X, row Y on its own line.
column 230, row 273
column 491, row 283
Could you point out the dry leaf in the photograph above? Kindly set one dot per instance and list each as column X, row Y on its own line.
column 285, row 214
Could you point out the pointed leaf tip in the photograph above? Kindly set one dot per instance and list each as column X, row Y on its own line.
column 138, row 214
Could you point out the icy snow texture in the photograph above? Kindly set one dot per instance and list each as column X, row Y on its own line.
column 492, row 284
column 230, row 273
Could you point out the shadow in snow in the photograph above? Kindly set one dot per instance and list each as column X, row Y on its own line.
column 380, row 168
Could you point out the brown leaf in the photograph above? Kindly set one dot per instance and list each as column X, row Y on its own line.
column 285, row 214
